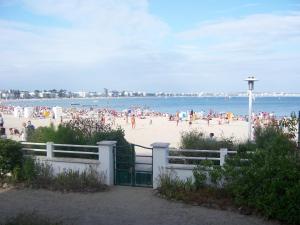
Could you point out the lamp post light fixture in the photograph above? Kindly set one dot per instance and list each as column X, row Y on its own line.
column 250, row 81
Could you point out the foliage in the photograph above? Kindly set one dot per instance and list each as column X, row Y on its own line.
column 30, row 219
column 10, row 156
column 41, row 175
column 81, row 132
column 171, row 186
column 266, row 176
column 263, row 176
column 78, row 131
column 196, row 140
column 69, row 180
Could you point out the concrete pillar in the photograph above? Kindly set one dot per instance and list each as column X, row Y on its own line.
column 50, row 148
column 160, row 160
column 106, row 153
column 223, row 154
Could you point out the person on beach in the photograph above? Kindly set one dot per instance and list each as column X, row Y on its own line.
column 209, row 117
column 24, row 132
column 132, row 121
column 126, row 117
column 30, row 127
column 102, row 120
column 2, row 132
column 1, row 120
column 191, row 117
column 177, row 118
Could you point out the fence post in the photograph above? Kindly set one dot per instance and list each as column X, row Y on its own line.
column 106, row 153
column 50, row 148
column 160, row 160
column 223, row 154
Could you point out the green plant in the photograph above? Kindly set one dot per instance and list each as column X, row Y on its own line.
column 29, row 172
column 196, row 140
column 265, row 176
column 200, row 177
column 88, row 180
column 81, row 132
column 171, row 186
column 41, row 175
column 10, row 156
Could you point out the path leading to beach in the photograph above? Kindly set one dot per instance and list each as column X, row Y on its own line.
column 119, row 206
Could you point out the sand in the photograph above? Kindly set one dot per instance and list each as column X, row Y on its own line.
column 161, row 129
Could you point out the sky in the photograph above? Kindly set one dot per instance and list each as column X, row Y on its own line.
column 150, row 45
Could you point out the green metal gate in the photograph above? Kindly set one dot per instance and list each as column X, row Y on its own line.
column 133, row 165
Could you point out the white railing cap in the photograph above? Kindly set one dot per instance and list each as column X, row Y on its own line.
column 160, row 145
column 107, row 143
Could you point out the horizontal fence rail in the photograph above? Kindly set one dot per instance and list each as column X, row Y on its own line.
column 52, row 148
column 193, row 158
column 184, row 157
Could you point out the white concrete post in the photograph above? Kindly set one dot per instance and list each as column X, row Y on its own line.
column 250, row 116
column 105, row 149
column 50, row 148
column 223, row 154
column 160, row 160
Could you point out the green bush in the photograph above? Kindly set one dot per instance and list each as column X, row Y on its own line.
column 266, row 176
column 196, row 140
column 172, row 187
column 28, row 172
column 75, row 181
column 10, row 156
column 40, row 175
column 80, row 132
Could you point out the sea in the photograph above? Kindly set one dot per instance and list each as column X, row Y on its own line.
column 280, row 106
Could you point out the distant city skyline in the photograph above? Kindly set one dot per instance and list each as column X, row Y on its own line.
column 150, row 45
column 63, row 93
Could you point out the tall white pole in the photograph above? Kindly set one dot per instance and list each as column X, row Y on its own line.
column 250, row 116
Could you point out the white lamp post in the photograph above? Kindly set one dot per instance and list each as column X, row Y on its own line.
column 250, row 81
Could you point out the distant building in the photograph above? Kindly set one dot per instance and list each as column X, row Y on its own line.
column 82, row 94
column 105, row 93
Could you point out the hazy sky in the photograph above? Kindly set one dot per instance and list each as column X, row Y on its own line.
column 151, row 45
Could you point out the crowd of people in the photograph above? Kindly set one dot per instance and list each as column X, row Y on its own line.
column 26, row 127
column 109, row 116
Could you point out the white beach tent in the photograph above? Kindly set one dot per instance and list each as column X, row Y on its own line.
column 18, row 111
column 57, row 112
column 183, row 116
column 28, row 112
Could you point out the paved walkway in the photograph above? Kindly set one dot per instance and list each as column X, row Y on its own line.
column 119, row 206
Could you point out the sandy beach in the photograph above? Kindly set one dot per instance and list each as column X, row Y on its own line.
column 146, row 133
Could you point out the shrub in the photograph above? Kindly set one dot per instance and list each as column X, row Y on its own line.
column 196, row 140
column 89, row 180
column 40, row 175
column 28, row 172
column 81, row 132
column 266, row 176
column 10, row 156
column 171, row 186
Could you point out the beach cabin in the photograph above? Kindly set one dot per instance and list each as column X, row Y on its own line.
column 28, row 112
column 18, row 111
column 57, row 112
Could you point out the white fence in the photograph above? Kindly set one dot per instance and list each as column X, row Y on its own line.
column 103, row 153
column 162, row 160
column 103, row 164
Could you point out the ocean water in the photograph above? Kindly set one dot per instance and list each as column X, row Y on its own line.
column 282, row 106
